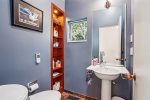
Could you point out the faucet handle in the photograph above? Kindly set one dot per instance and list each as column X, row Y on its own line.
column 121, row 59
column 129, row 76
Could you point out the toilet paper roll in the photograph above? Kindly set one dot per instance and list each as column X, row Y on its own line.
column 33, row 87
column 56, row 86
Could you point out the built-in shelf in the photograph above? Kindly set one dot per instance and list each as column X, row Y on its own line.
column 57, row 76
column 57, row 53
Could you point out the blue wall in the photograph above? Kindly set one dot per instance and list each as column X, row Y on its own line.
column 18, row 47
column 78, row 55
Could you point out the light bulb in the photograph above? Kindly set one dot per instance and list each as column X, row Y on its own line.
column 108, row 4
column 56, row 11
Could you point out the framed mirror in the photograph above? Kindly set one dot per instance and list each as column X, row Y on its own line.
column 109, row 35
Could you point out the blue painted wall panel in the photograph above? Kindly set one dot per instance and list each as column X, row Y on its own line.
column 18, row 47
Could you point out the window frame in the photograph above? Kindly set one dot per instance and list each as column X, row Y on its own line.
column 70, row 30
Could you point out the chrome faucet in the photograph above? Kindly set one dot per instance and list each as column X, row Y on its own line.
column 101, row 56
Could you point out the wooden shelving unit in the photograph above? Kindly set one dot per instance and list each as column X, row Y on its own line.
column 57, row 51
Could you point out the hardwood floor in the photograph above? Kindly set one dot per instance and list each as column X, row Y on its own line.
column 65, row 96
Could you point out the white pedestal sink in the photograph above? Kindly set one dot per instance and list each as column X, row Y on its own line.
column 107, row 73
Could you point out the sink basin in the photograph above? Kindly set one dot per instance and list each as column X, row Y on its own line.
column 106, row 73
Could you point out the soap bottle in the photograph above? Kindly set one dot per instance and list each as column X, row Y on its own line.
column 94, row 61
column 55, row 33
column 53, row 63
column 58, row 63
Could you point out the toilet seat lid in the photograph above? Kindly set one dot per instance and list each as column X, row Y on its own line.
column 13, row 92
column 46, row 95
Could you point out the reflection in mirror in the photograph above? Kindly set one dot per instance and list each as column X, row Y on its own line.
column 109, row 35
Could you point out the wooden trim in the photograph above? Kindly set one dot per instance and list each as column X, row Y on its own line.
column 80, row 95
column 51, row 47
column 57, row 53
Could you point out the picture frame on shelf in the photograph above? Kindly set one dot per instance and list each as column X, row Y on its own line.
column 26, row 16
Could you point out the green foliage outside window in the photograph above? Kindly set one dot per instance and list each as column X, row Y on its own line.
column 78, row 30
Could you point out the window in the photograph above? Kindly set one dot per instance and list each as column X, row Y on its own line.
column 78, row 30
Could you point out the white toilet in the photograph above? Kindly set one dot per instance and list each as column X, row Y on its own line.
column 13, row 92
column 46, row 95
column 19, row 92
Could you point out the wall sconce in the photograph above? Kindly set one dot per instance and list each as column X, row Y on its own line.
column 107, row 4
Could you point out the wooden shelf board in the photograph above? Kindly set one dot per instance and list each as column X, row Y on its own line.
column 57, row 76
column 58, row 37
column 57, row 68
column 58, row 47
column 57, row 56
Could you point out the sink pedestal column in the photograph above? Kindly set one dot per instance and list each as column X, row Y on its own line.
column 106, row 90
